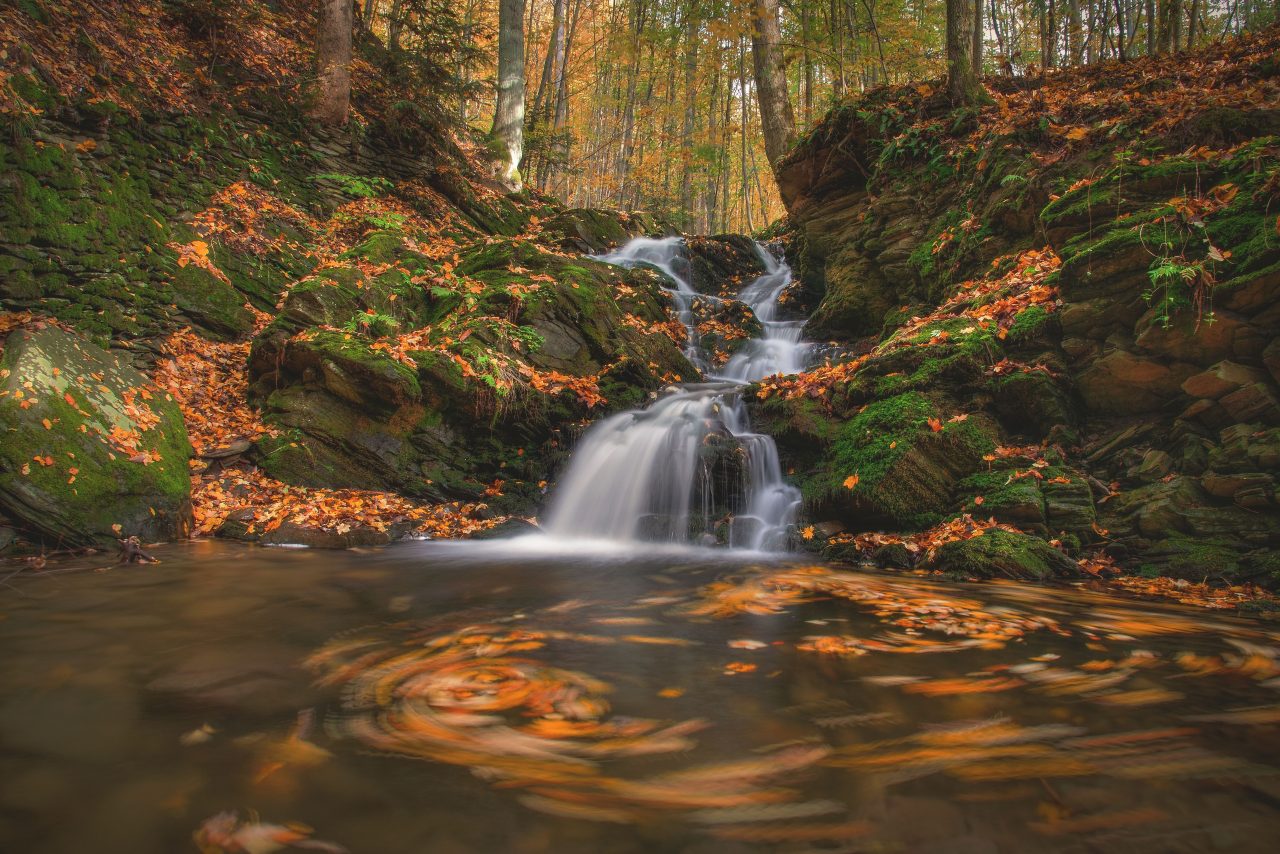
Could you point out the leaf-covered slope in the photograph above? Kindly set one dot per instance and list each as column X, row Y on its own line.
column 1089, row 266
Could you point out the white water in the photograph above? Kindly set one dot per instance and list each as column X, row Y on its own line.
column 780, row 351
column 657, row 474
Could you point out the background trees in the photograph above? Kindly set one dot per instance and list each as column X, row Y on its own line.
column 656, row 104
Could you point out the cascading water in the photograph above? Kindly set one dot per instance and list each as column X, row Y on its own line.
column 689, row 468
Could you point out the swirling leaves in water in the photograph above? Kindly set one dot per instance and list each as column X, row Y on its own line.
column 476, row 697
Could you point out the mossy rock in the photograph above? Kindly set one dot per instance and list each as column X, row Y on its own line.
column 722, row 262
column 210, row 303
column 1031, row 403
column 904, row 467
column 65, row 483
column 1004, row 496
column 998, row 553
column 1197, row 559
column 589, row 230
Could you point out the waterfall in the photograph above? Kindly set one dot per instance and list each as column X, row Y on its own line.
column 688, row 468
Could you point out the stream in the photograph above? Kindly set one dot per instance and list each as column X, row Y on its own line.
column 502, row 697
column 616, row 686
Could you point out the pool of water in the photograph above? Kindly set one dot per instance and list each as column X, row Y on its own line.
column 517, row 698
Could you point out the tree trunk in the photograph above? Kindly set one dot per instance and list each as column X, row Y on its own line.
column 1075, row 33
column 508, row 116
column 333, row 55
column 962, row 83
column 690, row 112
column 777, row 121
column 977, row 38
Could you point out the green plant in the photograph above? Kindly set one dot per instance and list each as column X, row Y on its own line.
column 1178, row 282
column 357, row 186
column 371, row 324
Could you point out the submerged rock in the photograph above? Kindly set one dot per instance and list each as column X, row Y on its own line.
column 91, row 450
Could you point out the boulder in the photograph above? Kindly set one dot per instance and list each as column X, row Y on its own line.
column 998, row 553
column 1253, row 402
column 1271, row 358
column 722, row 264
column 1125, row 383
column 1186, row 339
column 92, row 450
column 1221, row 379
column 904, row 467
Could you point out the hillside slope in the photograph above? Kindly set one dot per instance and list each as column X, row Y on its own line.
column 345, row 334
column 1066, row 305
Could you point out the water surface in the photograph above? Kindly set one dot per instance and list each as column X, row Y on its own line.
column 451, row 697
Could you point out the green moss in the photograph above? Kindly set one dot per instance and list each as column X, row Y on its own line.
column 58, row 475
column 1003, row 554
column 1027, row 324
column 1003, row 495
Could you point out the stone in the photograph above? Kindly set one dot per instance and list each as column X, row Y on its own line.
column 1188, row 340
column 998, row 553
column 1228, row 485
column 1069, row 507
column 1154, row 466
column 1125, row 383
column 1221, row 379
column 92, row 450
column 1271, row 358
column 513, row 527
column 1254, row 402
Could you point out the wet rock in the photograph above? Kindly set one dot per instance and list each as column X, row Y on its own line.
column 895, row 556
column 1031, row 403
column 1271, row 358
column 513, row 527
column 998, row 553
column 722, row 264
column 1069, row 507
column 1229, row 485
column 91, row 451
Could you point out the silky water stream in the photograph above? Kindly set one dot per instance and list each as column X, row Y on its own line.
column 689, row 468
column 588, row 693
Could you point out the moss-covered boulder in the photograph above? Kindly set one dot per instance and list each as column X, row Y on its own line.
column 722, row 264
column 998, row 553
column 91, row 450
column 593, row 230
column 896, row 461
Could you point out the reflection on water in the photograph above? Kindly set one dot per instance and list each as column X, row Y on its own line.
column 512, row 698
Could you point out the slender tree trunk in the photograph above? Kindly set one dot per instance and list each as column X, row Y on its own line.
column 1151, row 27
column 1120, row 31
column 508, row 116
column 1193, row 25
column 1075, row 33
column 691, row 26
column 977, row 38
column 333, row 55
column 962, row 83
column 777, row 121
column 395, row 22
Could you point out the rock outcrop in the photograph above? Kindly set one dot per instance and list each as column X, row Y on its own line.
column 1128, row 373
column 92, row 451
